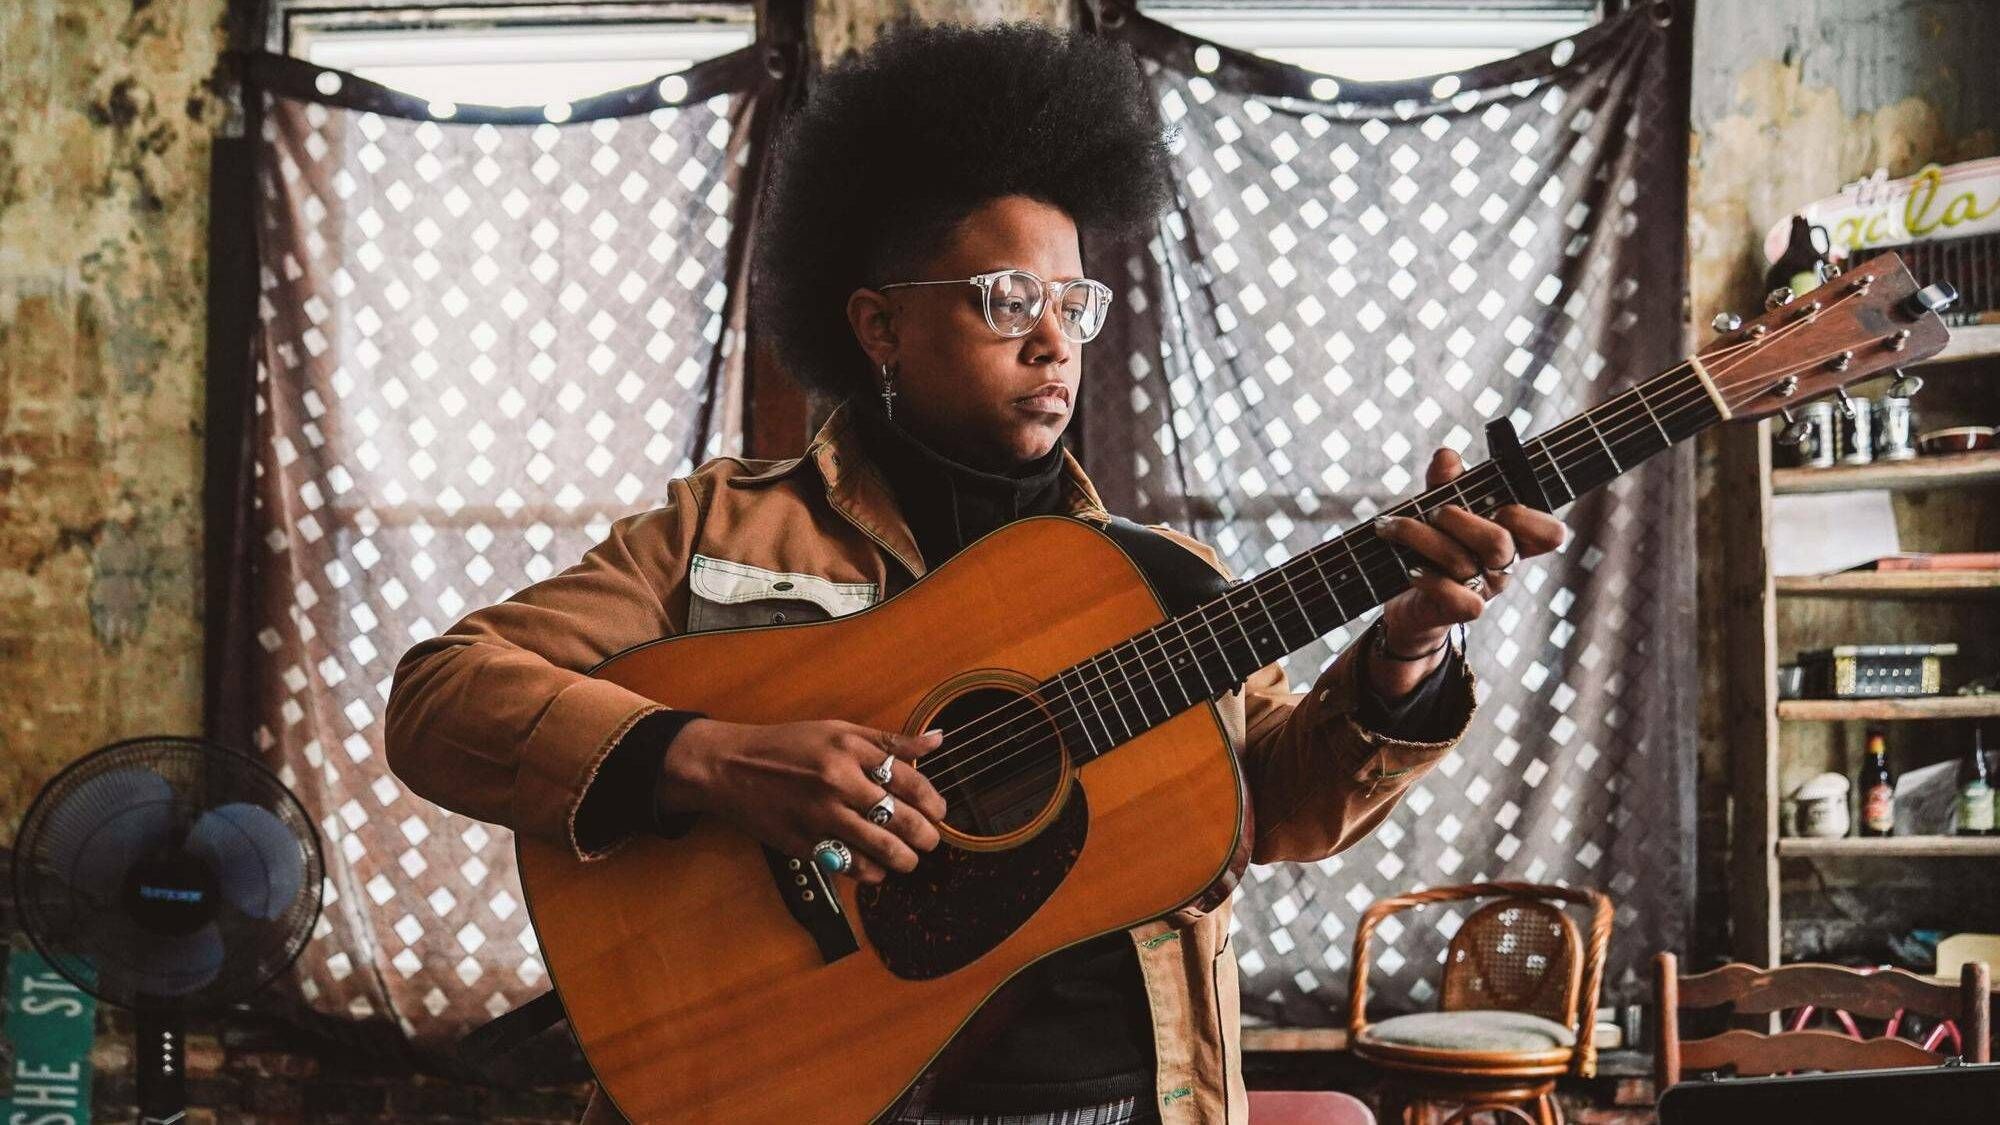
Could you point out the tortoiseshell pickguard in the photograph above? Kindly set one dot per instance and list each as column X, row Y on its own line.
column 959, row 904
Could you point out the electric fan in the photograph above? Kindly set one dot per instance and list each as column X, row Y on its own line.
column 167, row 875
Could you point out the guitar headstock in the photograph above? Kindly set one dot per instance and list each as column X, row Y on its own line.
column 1870, row 319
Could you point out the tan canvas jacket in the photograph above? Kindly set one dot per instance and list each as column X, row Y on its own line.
column 496, row 718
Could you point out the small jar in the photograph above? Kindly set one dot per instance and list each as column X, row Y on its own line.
column 1819, row 807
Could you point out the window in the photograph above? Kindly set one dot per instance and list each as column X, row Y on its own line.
column 518, row 56
column 1375, row 42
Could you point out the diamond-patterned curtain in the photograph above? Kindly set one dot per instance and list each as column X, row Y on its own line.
column 1357, row 274
column 481, row 339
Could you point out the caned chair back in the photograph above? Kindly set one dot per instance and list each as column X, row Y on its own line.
column 1515, row 955
column 1519, row 951
column 1746, row 990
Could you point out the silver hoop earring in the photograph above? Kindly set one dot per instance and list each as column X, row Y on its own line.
column 888, row 392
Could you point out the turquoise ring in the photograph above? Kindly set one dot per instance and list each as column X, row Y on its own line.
column 833, row 857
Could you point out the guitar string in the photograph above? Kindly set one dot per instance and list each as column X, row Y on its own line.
column 1552, row 443
column 1039, row 733
column 1676, row 409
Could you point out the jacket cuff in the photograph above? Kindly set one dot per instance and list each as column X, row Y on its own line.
column 1428, row 713
column 564, row 752
column 619, row 801
column 1379, row 756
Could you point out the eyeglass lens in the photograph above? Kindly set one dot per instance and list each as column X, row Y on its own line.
column 1015, row 303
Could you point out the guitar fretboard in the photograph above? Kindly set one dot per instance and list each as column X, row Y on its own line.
column 1134, row 686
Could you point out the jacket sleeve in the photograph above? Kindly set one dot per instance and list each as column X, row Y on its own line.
column 497, row 717
column 1318, row 779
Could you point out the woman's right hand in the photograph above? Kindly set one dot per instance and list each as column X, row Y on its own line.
column 791, row 785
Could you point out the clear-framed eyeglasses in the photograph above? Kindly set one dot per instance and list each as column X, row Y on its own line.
column 1014, row 301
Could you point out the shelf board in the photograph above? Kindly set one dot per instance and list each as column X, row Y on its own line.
column 1968, row 341
column 1894, row 707
column 1939, row 471
column 1807, row 847
column 1892, row 584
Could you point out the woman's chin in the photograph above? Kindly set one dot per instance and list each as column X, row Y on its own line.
column 1033, row 435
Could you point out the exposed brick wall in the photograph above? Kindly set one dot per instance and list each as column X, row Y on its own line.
column 103, row 226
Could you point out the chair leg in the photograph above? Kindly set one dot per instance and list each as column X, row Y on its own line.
column 1548, row 1109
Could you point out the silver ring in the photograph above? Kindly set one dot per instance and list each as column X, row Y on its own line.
column 880, row 812
column 884, row 772
column 1415, row 573
column 1476, row 584
column 833, row 857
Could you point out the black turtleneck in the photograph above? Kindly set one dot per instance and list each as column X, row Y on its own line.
column 948, row 504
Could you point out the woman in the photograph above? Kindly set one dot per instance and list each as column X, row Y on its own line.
column 940, row 156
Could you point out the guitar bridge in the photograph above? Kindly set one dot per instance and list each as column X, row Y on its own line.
column 810, row 898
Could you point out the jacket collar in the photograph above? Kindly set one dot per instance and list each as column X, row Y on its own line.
column 855, row 488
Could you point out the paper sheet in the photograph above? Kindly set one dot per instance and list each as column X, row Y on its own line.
column 1824, row 532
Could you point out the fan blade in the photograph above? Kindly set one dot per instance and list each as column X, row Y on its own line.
column 176, row 966
column 105, row 825
column 257, row 862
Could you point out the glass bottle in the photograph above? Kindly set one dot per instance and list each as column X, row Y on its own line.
column 1975, row 791
column 1877, row 787
column 1802, row 264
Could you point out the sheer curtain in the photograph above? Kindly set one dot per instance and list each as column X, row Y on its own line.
column 483, row 335
column 1354, row 275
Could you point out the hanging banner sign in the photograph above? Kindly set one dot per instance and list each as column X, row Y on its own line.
column 1938, row 202
column 50, row 1024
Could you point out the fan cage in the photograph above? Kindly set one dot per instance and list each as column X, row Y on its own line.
column 78, row 939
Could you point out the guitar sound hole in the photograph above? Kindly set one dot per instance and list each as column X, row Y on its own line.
column 996, row 772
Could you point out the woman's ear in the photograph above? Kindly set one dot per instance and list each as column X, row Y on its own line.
column 869, row 315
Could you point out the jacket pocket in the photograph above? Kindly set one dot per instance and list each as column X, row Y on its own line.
column 733, row 595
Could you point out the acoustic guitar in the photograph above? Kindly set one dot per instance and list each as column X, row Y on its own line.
column 1090, row 783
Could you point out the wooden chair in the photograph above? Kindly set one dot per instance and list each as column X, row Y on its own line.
column 1516, row 1007
column 1885, row 994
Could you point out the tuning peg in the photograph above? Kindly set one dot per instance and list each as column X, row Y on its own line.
column 1785, row 387
column 1780, row 296
column 1932, row 298
column 1795, row 430
column 1846, row 404
column 1906, row 385
column 1726, row 322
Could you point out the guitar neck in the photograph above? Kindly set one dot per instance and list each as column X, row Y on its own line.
column 1132, row 687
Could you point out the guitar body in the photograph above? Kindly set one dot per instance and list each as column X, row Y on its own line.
column 694, row 992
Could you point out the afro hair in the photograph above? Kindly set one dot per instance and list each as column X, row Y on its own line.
column 895, row 147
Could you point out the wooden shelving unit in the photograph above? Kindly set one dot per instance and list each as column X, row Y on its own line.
column 1943, row 503
column 1903, row 847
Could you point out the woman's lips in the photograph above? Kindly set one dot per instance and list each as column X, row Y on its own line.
column 1049, row 398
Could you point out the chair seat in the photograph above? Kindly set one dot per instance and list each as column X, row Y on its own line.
column 1473, row 1030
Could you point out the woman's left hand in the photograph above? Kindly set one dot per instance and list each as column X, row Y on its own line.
column 1457, row 547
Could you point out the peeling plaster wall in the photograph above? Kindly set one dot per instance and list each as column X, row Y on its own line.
column 1792, row 99
column 103, row 221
